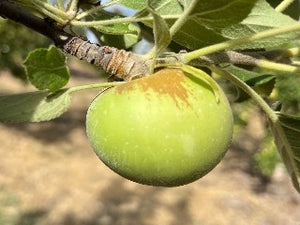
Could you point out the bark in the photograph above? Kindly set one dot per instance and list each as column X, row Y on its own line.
column 120, row 63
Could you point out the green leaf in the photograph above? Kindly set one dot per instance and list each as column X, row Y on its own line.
column 212, row 22
column 33, row 106
column 170, row 8
column 194, row 36
column 119, row 29
column 262, row 17
column 288, row 87
column 262, row 83
column 120, row 41
column 46, row 69
column 267, row 158
column 162, row 37
column 116, row 29
column 250, row 77
column 220, row 13
column 134, row 4
column 167, row 7
column 287, row 133
column 200, row 28
column 121, row 35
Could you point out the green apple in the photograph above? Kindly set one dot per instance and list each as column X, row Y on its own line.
column 166, row 129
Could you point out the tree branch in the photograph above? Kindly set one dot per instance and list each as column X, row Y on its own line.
column 242, row 58
column 123, row 64
column 119, row 63
column 13, row 12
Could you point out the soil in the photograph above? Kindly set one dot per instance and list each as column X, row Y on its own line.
column 49, row 175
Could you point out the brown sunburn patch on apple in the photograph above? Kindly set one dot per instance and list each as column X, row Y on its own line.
column 169, row 82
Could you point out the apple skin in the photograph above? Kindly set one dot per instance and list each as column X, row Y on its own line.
column 166, row 129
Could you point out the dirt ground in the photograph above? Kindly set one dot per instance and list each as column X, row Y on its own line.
column 49, row 175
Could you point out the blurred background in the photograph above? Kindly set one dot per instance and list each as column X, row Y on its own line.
column 49, row 174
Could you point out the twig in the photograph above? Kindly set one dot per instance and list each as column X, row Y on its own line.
column 61, row 5
column 241, row 41
column 15, row 13
column 73, row 5
column 120, row 63
column 125, row 64
column 283, row 5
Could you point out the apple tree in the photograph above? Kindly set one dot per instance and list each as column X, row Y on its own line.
column 162, row 118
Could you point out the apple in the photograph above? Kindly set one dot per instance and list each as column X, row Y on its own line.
column 166, row 129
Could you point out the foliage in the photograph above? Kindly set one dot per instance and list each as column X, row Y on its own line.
column 267, row 158
column 204, row 28
column 15, row 43
column 287, row 132
column 46, row 69
column 34, row 107
column 288, row 89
